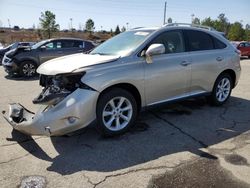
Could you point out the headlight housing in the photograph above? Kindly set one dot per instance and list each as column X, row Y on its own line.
column 57, row 87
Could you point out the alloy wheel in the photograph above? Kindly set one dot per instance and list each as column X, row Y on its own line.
column 29, row 69
column 117, row 113
column 223, row 89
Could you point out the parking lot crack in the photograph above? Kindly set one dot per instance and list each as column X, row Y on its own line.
column 14, row 159
column 21, row 142
column 134, row 171
column 180, row 130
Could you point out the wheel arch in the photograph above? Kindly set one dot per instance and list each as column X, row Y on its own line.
column 28, row 60
column 232, row 75
column 128, row 87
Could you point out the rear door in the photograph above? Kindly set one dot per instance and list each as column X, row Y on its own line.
column 72, row 46
column 207, row 55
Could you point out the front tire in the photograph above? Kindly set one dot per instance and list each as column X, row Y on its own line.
column 28, row 69
column 221, row 90
column 116, row 112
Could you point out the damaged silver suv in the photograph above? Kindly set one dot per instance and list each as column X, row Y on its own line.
column 131, row 71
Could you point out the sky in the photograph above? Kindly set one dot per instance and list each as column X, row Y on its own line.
column 107, row 14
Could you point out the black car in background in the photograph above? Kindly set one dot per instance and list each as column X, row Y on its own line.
column 13, row 46
column 24, row 61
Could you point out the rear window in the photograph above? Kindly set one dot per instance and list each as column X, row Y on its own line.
column 198, row 40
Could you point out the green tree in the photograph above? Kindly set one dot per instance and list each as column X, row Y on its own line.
column 123, row 29
column 236, row 32
column 89, row 26
column 170, row 20
column 117, row 30
column 222, row 24
column 247, row 32
column 48, row 23
column 208, row 22
column 196, row 21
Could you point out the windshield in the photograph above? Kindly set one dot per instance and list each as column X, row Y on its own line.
column 122, row 44
column 37, row 45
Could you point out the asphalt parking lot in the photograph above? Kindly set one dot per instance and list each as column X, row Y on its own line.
column 187, row 144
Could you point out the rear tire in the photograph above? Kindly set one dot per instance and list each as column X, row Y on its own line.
column 116, row 112
column 28, row 69
column 221, row 90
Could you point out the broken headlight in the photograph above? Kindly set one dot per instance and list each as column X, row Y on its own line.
column 57, row 87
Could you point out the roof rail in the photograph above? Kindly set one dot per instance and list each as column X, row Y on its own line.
column 136, row 28
column 190, row 25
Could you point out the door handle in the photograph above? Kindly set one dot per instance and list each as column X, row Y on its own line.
column 219, row 58
column 60, row 52
column 185, row 63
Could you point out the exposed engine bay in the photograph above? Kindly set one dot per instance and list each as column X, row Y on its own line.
column 58, row 87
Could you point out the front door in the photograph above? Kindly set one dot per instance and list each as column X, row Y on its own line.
column 52, row 50
column 168, row 76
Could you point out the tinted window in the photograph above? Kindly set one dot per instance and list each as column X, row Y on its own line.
column 172, row 40
column 53, row 45
column 198, row 40
column 242, row 45
column 78, row 44
column 218, row 44
column 67, row 44
column 72, row 44
column 247, row 44
column 50, row 45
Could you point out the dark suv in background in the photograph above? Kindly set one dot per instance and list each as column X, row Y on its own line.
column 24, row 61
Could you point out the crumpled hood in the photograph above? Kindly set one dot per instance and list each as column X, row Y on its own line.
column 70, row 63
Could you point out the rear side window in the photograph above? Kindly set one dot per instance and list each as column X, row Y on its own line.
column 218, row 44
column 72, row 44
column 78, row 44
column 198, row 40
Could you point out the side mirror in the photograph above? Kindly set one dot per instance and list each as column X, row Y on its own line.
column 155, row 49
column 43, row 48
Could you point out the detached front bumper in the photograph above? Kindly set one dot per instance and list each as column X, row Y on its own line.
column 76, row 111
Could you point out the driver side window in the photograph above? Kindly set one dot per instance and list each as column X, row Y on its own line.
column 172, row 41
column 53, row 45
column 49, row 45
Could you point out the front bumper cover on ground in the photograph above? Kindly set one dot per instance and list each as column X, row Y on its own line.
column 76, row 111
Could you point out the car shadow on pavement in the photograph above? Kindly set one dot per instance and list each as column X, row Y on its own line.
column 21, row 78
column 185, row 126
column 29, row 144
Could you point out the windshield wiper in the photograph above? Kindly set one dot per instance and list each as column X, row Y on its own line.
column 99, row 53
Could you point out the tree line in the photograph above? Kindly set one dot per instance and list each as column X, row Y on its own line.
column 233, row 31
column 49, row 26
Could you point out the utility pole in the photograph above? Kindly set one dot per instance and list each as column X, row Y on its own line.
column 165, row 12
column 71, row 19
column 9, row 23
column 192, row 18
